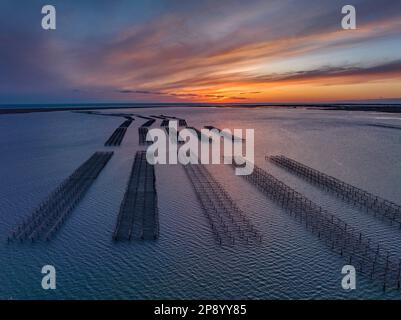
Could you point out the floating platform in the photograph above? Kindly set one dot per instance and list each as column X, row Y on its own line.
column 118, row 135
column 229, row 224
column 356, row 249
column 380, row 207
column 47, row 219
column 138, row 218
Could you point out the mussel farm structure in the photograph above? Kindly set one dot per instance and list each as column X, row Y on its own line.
column 118, row 135
column 47, row 219
column 143, row 131
column 355, row 248
column 380, row 207
column 138, row 218
column 229, row 224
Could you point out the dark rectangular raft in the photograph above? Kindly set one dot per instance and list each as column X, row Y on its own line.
column 229, row 224
column 52, row 213
column 378, row 206
column 118, row 135
column 138, row 217
column 356, row 249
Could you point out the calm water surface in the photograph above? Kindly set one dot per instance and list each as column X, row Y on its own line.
column 39, row 150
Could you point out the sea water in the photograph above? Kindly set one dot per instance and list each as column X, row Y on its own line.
column 39, row 150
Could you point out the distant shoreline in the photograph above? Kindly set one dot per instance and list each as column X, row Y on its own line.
column 389, row 108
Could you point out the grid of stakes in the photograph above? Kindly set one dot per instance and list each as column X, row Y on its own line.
column 356, row 249
column 230, row 136
column 229, row 224
column 181, row 122
column 371, row 203
column 143, row 131
column 47, row 219
column 138, row 217
column 219, row 131
column 159, row 117
column 200, row 134
column 143, row 117
column 165, row 123
column 118, row 135
column 173, row 139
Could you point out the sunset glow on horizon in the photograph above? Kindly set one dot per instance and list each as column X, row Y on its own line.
column 213, row 51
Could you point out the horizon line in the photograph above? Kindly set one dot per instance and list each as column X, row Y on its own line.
column 389, row 102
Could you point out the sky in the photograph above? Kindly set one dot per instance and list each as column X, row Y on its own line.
column 209, row 51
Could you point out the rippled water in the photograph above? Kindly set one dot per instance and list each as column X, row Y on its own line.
column 39, row 150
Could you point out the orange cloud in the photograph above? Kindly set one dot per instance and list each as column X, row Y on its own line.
column 152, row 62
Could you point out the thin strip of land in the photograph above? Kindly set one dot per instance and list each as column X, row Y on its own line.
column 387, row 108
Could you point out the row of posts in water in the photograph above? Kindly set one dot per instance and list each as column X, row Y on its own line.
column 138, row 215
column 229, row 224
column 118, row 135
column 46, row 220
column 372, row 203
column 369, row 258
column 144, row 129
